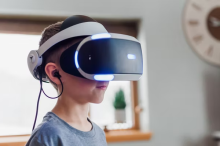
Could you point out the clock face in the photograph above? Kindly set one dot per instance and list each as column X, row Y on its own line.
column 202, row 28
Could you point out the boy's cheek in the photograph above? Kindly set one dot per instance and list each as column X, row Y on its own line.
column 87, row 85
column 79, row 82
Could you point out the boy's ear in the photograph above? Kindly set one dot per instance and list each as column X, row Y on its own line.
column 50, row 69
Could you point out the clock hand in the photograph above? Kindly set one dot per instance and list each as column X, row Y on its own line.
column 215, row 22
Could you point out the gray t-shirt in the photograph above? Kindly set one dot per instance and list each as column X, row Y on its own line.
column 53, row 131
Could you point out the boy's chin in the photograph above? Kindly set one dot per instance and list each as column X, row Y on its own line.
column 96, row 100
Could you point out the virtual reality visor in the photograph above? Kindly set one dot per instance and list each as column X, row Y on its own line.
column 104, row 57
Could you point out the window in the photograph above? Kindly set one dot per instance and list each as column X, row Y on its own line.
column 19, row 89
column 103, row 113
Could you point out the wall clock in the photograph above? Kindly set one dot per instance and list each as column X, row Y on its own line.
column 201, row 22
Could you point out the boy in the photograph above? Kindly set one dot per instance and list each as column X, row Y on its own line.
column 68, row 124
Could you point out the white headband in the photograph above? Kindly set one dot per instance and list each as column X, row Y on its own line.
column 81, row 29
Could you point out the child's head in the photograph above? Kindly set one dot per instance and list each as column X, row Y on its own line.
column 80, row 89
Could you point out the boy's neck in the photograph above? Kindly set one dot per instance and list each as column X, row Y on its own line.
column 72, row 112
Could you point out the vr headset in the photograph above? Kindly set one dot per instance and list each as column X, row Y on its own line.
column 100, row 56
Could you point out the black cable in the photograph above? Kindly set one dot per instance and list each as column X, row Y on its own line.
column 40, row 75
column 57, row 96
column 41, row 89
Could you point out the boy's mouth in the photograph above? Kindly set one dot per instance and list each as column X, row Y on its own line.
column 102, row 85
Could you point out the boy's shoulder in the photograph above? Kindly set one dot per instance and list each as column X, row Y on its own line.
column 47, row 126
column 47, row 130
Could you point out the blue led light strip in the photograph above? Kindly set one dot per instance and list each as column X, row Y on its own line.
column 100, row 36
column 104, row 77
column 76, row 59
column 131, row 56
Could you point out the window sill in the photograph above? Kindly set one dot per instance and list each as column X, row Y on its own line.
column 111, row 136
column 127, row 135
column 14, row 140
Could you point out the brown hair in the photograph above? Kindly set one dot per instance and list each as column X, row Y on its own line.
column 53, row 54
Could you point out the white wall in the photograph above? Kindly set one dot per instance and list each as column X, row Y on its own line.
column 183, row 90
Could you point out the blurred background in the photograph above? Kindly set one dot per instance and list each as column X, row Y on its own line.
column 175, row 103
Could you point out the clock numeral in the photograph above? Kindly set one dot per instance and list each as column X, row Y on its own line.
column 196, row 7
column 210, row 51
column 193, row 22
column 198, row 38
